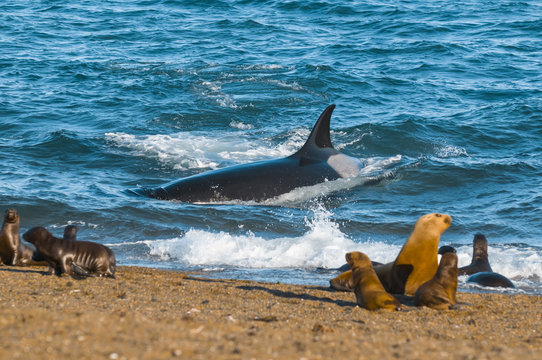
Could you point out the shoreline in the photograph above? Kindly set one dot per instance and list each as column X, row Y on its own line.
column 148, row 313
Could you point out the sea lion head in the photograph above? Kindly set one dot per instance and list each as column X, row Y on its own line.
column 479, row 251
column 11, row 216
column 433, row 224
column 446, row 249
column 357, row 259
column 70, row 232
column 37, row 235
column 448, row 262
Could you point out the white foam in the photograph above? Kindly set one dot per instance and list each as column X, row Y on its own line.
column 450, row 151
column 323, row 245
column 241, row 126
column 77, row 222
column 191, row 150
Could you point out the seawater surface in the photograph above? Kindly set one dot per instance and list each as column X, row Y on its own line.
column 441, row 100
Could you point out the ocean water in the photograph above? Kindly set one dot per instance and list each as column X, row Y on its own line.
column 441, row 100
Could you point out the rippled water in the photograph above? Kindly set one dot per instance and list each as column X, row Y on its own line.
column 443, row 100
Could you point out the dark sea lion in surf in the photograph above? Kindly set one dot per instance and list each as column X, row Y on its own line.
column 480, row 260
column 479, row 270
column 12, row 250
column 370, row 294
column 416, row 263
column 490, row 279
column 76, row 258
column 440, row 292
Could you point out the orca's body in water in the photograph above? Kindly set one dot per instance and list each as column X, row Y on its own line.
column 316, row 162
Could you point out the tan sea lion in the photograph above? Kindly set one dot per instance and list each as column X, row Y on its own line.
column 416, row 263
column 440, row 292
column 343, row 282
column 480, row 261
column 12, row 250
column 76, row 258
column 370, row 294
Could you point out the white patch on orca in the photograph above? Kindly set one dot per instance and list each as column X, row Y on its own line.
column 346, row 166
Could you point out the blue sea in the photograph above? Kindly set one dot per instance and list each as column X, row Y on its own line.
column 441, row 100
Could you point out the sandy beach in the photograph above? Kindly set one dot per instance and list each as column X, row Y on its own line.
column 154, row 314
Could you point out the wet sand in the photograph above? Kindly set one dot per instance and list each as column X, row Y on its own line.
column 155, row 314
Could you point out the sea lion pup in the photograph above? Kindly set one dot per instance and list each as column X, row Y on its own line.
column 440, row 292
column 343, row 282
column 490, row 279
column 444, row 249
column 76, row 258
column 370, row 293
column 70, row 232
column 12, row 250
column 480, row 262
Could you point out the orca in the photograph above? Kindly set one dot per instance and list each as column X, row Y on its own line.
column 316, row 162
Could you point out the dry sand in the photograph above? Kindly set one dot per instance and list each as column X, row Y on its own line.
column 154, row 314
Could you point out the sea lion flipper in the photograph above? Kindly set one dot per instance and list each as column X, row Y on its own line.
column 400, row 276
column 78, row 271
column 343, row 282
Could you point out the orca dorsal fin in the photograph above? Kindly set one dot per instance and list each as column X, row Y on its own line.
column 319, row 136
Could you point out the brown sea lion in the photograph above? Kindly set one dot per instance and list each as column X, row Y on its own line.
column 370, row 294
column 444, row 249
column 490, row 279
column 416, row 263
column 480, row 262
column 12, row 250
column 440, row 292
column 70, row 232
column 76, row 258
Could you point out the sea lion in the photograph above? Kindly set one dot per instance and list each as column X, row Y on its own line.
column 370, row 293
column 70, row 232
column 417, row 261
column 446, row 248
column 480, row 262
column 12, row 250
column 440, row 292
column 343, row 282
column 76, row 258
column 490, row 279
